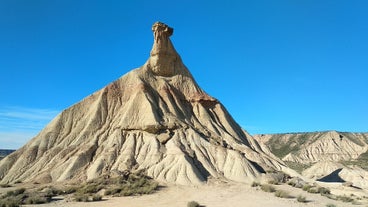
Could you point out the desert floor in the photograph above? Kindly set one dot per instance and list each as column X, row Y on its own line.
column 211, row 195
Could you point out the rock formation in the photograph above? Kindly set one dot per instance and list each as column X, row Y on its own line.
column 154, row 118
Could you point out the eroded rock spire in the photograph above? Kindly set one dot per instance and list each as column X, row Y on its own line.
column 163, row 57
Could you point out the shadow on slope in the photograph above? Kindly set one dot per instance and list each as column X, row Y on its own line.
column 333, row 177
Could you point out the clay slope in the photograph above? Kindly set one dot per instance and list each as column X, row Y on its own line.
column 327, row 171
column 317, row 146
column 155, row 118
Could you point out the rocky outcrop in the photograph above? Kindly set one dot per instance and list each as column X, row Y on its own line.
column 155, row 118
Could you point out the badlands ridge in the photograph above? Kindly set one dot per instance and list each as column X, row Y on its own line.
column 154, row 118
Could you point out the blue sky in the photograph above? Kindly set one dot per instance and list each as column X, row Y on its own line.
column 277, row 66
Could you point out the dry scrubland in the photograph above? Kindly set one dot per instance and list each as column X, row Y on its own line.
column 211, row 195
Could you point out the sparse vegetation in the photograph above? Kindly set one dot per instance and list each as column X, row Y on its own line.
column 299, row 167
column 282, row 194
column 193, row 204
column 291, row 145
column 13, row 198
column 361, row 161
column 268, row 188
column 296, row 182
column 301, row 199
column 276, row 178
column 345, row 199
column 37, row 199
column 126, row 185
column 330, row 205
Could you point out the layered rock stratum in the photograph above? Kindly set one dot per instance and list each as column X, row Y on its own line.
column 155, row 118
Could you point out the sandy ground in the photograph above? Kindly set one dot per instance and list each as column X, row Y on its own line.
column 219, row 195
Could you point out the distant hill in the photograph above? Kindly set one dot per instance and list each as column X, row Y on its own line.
column 5, row 152
column 322, row 156
column 311, row 147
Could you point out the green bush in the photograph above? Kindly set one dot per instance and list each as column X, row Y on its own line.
column 193, row 204
column 307, row 187
column 301, row 199
column 268, row 188
column 330, row 205
column 282, row 194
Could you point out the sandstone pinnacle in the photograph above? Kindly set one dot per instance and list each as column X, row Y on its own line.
column 163, row 59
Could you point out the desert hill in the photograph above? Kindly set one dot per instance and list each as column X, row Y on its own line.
column 154, row 118
column 316, row 146
column 328, row 156
column 5, row 152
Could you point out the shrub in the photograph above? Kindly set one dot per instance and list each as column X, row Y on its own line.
column 16, row 192
column 11, row 202
column 81, row 197
column 96, row 198
column 345, row 199
column 90, row 188
column 330, row 205
column 255, row 184
column 312, row 190
column 282, row 194
column 193, row 204
column 301, row 199
column 36, row 199
column 306, row 187
column 69, row 190
column 291, row 183
column 5, row 185
column 324, row 191
column 268, row 188
column 273, row 182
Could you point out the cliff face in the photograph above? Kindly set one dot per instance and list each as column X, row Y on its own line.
column 155, row 118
